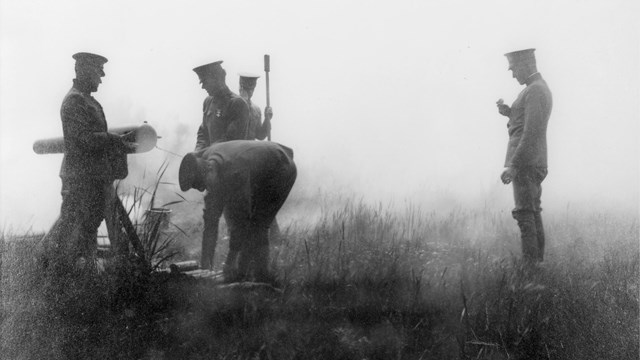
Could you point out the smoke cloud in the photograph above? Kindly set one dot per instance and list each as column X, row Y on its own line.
column 389, row 103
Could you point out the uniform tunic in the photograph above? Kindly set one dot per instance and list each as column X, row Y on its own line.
column 528, row 125
column 90, row 151
column 225, row 117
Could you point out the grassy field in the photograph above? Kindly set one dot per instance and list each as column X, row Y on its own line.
column 359, row 281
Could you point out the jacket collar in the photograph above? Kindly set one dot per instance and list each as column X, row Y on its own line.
column 82, row 86
column 533, row 77
column 222, row 96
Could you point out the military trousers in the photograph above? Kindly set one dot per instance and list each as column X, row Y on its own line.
column 527, row 192
column 74, row 233
column 213, row 208
column 249, row 214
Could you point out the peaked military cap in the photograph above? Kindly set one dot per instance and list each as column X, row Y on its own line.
column 248, row 80
column 190, row 173
column 212, row 69
column 89, row 58
column 519, row 56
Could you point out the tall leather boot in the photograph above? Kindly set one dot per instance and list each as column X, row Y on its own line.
column 540, row 236
column 528, row 234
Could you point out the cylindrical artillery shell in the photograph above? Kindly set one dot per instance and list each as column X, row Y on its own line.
column 145, row 139
column 184, row 266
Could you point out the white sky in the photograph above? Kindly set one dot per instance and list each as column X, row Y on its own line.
column 395, row 98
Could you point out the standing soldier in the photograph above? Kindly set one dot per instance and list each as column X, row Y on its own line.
column 526, row 160
column 93, row 159
column 257, row 129
column 225, row 114
column 225, row 117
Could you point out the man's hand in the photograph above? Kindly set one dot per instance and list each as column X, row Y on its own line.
column 508, row 175
column 502, row 108
column 268, row 113
column 129, row 136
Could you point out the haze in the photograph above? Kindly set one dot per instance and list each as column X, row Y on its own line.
column 391, row 100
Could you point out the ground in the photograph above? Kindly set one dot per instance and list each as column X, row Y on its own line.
column 362, row 282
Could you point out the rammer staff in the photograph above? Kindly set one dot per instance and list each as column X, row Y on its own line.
column 267, row 67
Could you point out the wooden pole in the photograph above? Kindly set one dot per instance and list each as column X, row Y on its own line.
column 267, row 68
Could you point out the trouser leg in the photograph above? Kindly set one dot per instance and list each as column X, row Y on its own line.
column 83, row 207
column 231, row 265
column 236, row 265
column 274, row 190
column 527, row 191
column 540, row 236
column 209, row 240
column 212, row 212
column 118, row 239
column 256, row 252
column 274, row 232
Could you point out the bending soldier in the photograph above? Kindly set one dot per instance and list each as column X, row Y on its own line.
column 526, row 160
column 225, row 117
column 251, row 180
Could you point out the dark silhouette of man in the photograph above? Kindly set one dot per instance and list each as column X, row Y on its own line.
column 526, row 160
column 251, row 181
column 225, row 117
column 93, row 159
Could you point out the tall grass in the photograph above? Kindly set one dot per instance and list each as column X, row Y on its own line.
column 370, row 281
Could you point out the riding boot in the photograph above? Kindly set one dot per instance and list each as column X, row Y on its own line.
column 540, row 236
column 528, row 234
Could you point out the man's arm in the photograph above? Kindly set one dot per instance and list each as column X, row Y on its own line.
column 265, row 128
column 202, row 140
column 76, row 123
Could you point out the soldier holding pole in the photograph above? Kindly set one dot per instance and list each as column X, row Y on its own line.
column 257, row 128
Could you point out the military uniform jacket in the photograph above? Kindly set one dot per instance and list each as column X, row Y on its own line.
column 240, row 163
column 225, row 117
column 257, row 130
column 527, row 125
column 90, row 151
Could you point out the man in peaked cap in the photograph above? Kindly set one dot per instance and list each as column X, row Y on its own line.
column 526, row 160
column 257, row 129
column 225, row 117
column 251, row 179
column 93, row 159
column 225, row 114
